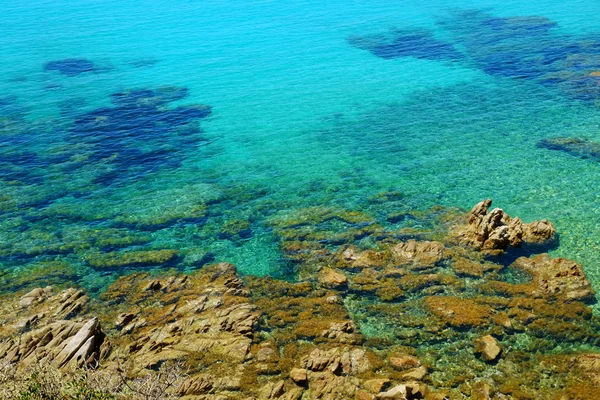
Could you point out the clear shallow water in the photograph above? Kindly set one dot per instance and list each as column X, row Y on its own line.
column 300, row 117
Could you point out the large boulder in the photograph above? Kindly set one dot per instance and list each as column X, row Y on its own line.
column 496, row 231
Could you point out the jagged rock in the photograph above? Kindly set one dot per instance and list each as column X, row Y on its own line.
column 59, row 343
column 496, row 230
column 124, row 319
column 80, row 340
column 205, row 315
column 362, row 395
column 557, row 277
column 488, row 348
column 72, row 302
column 333, row 279
column 196, row 385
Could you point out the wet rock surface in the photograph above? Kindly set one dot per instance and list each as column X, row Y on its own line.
column 426, row 318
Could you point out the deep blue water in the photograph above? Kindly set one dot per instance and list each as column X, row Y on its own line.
column 158, row 123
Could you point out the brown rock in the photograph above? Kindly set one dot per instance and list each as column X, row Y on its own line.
column 272, row 390
column 404, row 362
column 333, row 279
column 557, row 277
column 340, row 331
column 196, row 385
column 35, row 295
column 496, row 230
column 299, row 375
column 124, row 319
column 488, row 348
column 589, row 366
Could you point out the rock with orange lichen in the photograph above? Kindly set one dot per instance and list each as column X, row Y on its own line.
column 462, row 266
column 429, row 283
column 461, row 313
column 393, row 321
column 294, row 312
column 495, row 230
column 557, row 277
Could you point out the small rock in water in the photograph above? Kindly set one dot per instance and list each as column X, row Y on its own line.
column 488, row 348
column 332, row 278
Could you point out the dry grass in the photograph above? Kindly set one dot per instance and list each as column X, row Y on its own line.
column 44, row 382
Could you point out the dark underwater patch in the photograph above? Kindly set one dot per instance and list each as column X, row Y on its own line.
column 143, row 62
column 578, row 147
column 70, row 66
column 519, row 47
column 406, row 43
column 139, row 134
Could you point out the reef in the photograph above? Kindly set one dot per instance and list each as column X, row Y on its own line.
column 138, row 135
column 518, row 47
column 410, row 316
column 406, row 43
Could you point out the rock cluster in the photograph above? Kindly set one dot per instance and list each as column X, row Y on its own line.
column 407, row 319
column 495, row 230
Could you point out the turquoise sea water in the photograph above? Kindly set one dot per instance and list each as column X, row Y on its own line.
column 306, row 111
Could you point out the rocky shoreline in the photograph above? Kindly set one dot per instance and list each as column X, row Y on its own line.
column 474, row 311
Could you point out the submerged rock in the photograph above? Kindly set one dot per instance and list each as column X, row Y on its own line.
column 406, row 43
column 132, row 258
column 139, row 134
column 578, row 147
column 70, row 66
column 557, row 277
